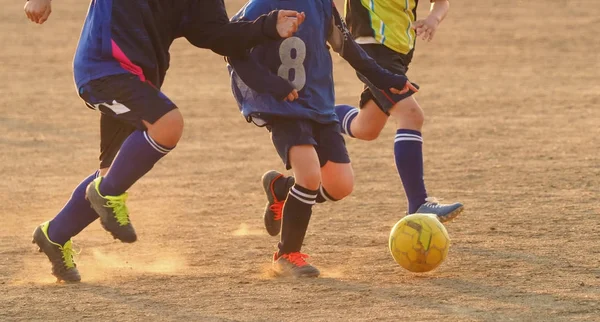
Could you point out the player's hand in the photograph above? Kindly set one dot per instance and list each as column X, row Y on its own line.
column 292, row 96
column 426, row 28
column 288, row 22
column 38, row 11
column 408, row 87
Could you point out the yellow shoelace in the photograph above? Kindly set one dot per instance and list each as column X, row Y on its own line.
column 119, row 208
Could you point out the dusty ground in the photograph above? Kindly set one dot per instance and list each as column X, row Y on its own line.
column 511, row 90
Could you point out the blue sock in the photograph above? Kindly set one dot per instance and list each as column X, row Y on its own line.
column 75, row 215
column 346, row 115
column 137, row 156
column 408, row 151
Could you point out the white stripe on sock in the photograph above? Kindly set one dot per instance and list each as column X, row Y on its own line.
column 345, row 122
column 155, row 145
column 303, row 200
column 324, row 195
column 406, row 135
column 302, row 194
column 408, row 139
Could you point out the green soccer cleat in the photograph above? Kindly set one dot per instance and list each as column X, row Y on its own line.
column 61, row 257
column 293, row 264
column 114, row 215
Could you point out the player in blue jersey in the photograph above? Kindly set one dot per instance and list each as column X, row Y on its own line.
column 120, row 64
column 287, row 86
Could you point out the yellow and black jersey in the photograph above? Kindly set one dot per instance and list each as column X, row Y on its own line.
column 386, row 22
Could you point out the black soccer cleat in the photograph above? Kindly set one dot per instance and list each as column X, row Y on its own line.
column 61, row 257
column 274, row 208
column 113, row 212
column 444, row 212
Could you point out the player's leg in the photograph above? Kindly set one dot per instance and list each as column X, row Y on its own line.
column 159, row 126
column 54, row 237
column 367, row 122
column 294, row 142
column 336, row 172
column 337, row 176
column 408, row 153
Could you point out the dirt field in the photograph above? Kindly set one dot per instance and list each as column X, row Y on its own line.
column 512, row 94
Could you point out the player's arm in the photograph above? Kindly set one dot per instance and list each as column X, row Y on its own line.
column 342, row 42
column 426, row 28
column 38, row 11
column 260, row 79
column 207, row 26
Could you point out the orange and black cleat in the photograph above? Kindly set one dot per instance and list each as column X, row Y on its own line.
column 293, row 264
column 274, row 209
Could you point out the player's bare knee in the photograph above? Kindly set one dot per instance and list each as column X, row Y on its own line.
column 370, row 134
column 408, row 114
column 168, row 129
column 309, row 179
column 343, row 189
column 340, row 189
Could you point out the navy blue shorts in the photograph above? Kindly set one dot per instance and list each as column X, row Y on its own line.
column 326, row 138
column 124, row 101
column 393, row 61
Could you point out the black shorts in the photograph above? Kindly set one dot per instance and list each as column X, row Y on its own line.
column 124, row 101
column 326, row 138
column 393, row 61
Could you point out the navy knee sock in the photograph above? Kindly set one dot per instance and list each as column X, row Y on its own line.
column 296, row 216
column 346, row 115
column 74, row 216
column 408, row 152
column 137, row 156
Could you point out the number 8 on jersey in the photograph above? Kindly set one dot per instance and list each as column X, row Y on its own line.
column 292, row 53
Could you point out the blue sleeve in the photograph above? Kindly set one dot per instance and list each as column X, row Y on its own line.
column 254, row 74
column 343, row 43
column 259, row 78
column 206, row 25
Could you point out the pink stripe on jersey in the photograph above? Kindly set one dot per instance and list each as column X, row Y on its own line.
column 126, row 63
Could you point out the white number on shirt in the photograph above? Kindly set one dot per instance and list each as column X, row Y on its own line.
column 292, row 53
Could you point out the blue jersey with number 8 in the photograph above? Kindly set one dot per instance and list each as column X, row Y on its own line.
column 304, row 60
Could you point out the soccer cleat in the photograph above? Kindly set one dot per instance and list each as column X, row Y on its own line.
column 274, row 208
column 293, row 264
column 114, row 215
column 61, row 257
column 444, row 212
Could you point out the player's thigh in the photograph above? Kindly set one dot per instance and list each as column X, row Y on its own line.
column 126, row 98
column 336, row 170
column 305, row 165
column 295, row 143
column 394, row 62
column 369, row 122
column 113, row 133
column 408, row 114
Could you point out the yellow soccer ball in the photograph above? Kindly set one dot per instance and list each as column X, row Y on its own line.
column 419, row 242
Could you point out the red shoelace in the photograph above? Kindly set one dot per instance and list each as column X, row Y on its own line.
column 296, row 258
column 277, row 209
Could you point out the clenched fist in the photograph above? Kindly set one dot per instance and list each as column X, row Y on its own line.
column 38, row 11
column 288, row 22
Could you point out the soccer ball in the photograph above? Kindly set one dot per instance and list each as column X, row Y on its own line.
column 419, row 242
